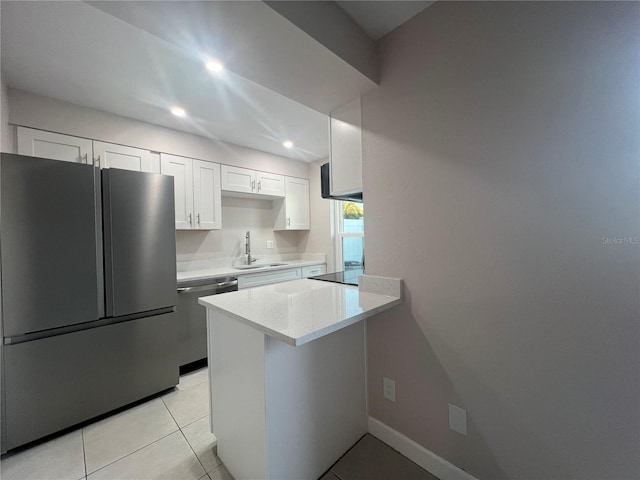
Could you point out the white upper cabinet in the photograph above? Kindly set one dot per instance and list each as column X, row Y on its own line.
column 197, row 192
column 207, row 195
column 38, row 143
column 269, row 184
column 181, row 169
column 110, row 155
column 292, row 213
column 346, row 149
column 253, row 182
column 235, row 179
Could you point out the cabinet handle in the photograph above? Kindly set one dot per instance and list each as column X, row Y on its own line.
column 198, row 216
column 259, row 185
column 190, row 220
column 253, row 185
column 98, row 161
column 85, row 157
column 288, row 221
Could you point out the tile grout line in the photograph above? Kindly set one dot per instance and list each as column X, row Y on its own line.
column 185, row 437
column 178, row 429
column 135, row 451
column 191, row 423
column 84, row 454
column 196, row 455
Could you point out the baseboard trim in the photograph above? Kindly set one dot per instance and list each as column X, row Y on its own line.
column 428, row 460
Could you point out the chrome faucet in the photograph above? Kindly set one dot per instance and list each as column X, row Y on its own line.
column 247, row 248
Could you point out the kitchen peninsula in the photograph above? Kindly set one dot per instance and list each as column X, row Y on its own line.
column 287, row 373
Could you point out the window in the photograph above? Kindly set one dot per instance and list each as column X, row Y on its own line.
column 350, row 236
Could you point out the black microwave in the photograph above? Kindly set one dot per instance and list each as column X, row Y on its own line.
column 326, row 187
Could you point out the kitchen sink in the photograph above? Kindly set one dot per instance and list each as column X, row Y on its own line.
column 259, row 265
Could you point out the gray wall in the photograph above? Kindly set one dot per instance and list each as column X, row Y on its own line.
column 501, row 151
column 7, row 132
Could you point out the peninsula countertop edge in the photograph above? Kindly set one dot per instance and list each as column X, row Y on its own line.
column 300, row 311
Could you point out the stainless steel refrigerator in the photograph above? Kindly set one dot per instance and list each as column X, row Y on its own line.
column 88, row 282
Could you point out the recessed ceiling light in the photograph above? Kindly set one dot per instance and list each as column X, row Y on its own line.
column 287, row 144
column 179, row 112
column 214, row 66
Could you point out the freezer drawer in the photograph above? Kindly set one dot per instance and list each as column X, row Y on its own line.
column 57, row 382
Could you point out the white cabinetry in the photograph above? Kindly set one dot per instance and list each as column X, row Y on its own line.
column 207, row 196
column 244, row 180
column 270, row 184
column 346, row 149
column 111, row 155
column 265, row 278
column 197, row 192
column 38, row 143
column 313, row 270
column 292, row 213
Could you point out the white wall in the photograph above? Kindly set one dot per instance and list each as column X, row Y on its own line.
column 502, row 145
column 320, row 238
column 35, row 111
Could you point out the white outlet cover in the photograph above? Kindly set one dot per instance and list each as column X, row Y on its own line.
column 269, row 243
column 389, row 389
column 458, row 419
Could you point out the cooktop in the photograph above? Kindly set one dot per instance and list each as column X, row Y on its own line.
column 349, row 277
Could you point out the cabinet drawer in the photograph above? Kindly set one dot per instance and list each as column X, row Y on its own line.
column 256, row 279
column 313, row 270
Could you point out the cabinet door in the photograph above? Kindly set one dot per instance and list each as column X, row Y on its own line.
column 312, row 270
column 346, row 149
column 266, row 278
column 270, row 184
column 38, row 143
column 110, row 155
column 236, row 179
column 181, row 169
column 207, row 195
column 297, row 204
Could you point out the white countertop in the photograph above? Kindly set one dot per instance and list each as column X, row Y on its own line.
column 231, row 271
column 300, row 311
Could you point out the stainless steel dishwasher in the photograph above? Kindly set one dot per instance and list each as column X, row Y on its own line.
column 192, row 319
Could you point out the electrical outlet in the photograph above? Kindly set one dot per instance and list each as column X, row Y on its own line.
column 458, row 419
column 269, row 243
column 389, row 389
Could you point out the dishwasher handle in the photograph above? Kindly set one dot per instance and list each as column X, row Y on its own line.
column 203, row 288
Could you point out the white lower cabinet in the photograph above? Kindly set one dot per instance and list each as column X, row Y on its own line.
column 292, row 213
column 313, row 270
column 265, row 278
column 197, row 192
column 38, row 143
column 111, row 155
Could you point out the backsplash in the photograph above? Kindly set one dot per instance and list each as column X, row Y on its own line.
column 238, row 216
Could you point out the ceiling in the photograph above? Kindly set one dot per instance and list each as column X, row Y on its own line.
column 137, row 59
column 377, row 18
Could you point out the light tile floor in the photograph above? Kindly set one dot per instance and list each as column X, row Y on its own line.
column 167, row 437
